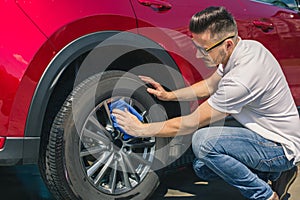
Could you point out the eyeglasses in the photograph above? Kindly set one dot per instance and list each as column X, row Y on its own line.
column 205, row 51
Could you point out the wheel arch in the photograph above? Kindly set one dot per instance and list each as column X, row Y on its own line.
column 63, row 69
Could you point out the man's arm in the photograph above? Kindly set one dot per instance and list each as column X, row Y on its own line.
column 199, row 90
column 202, row 116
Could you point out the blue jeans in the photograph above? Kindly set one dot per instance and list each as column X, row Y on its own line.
column 240, row 157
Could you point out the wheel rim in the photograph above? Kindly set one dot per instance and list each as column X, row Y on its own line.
column 112, row 164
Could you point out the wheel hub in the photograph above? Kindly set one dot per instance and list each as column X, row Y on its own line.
column 113, row 164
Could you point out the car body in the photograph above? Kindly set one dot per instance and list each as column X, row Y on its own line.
column 46, row 44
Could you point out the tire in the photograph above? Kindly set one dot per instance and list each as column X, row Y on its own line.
column 86, row 158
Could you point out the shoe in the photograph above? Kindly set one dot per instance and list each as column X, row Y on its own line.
column 283, row 183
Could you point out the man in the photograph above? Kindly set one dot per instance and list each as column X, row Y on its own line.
column 249, row 85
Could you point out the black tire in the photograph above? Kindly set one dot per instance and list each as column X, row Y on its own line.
column 76, row 143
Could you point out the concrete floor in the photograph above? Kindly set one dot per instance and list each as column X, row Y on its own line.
column 25, row 183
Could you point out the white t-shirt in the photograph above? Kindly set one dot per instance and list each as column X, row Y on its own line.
column 253, row 89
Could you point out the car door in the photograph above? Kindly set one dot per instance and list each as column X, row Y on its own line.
column 172, row 17
column 278, row 28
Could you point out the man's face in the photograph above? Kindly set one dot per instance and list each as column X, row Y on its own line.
column 206, row 50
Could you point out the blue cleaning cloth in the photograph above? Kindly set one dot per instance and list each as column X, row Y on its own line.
column 121, row 104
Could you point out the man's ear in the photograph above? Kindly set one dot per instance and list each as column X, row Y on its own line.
column 229, row 44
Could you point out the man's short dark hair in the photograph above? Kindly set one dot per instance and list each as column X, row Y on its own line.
column 215, row 19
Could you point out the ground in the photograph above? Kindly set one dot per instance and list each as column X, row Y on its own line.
column 25, row 183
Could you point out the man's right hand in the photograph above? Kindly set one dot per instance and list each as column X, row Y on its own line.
column 157, row 89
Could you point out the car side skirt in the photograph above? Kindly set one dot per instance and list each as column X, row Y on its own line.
column 19, row 151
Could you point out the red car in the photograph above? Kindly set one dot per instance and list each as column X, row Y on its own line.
column 62, row 64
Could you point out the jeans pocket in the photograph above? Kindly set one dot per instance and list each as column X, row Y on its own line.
column 276, row 164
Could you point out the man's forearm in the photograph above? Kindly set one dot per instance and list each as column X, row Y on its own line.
column 171, row 127
column 196, row 91
column 202, row 116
